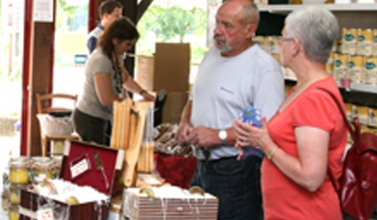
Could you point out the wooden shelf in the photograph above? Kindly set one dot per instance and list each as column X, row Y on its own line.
column 355, row 87
column 285, row 9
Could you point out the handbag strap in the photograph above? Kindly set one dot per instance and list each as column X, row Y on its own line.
column 354, row 132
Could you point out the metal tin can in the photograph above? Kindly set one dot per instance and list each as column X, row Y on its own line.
column 356, row 68
column 370, row 71
column 348, row 107
column 365, row 42
column 349, row 41
column 341, row 66
column 362, row 114
column 374, row 42
column 330, row 63
column 274, row 45
column 372, row 117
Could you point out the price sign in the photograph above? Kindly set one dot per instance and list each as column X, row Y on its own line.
column 45, row 214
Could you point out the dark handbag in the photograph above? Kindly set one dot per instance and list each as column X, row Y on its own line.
column 357, row 188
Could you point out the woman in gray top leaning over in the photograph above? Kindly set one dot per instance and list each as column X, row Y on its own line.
column 105, row 81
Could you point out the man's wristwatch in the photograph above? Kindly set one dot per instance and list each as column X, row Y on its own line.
column 222, row 135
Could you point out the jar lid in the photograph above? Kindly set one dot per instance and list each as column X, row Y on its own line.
column 41, row 159
column 13, row 207
column 42, row 165
column 19, row 164
column 20, row 158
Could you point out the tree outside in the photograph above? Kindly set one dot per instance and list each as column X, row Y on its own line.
column 173, row 24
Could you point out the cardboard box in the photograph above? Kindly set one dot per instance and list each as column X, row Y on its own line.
column 173, row 107
column 170, row 207
column 168, row 69
column 79, row 166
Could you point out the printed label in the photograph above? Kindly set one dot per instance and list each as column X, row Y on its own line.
column 79, row 168
column 45, row 214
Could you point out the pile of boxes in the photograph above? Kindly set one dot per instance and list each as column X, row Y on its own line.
column 168, row 70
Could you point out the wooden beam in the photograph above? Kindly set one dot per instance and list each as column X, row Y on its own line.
column 129, row 10
column 142, row 8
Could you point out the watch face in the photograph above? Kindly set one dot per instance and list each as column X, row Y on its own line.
column 222, row 134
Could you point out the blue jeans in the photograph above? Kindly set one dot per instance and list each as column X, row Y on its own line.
column 235, row 183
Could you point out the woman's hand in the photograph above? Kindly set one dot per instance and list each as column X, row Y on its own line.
column 147, row 96
column 249, row 135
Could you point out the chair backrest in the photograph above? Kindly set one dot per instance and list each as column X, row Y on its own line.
column 44, row 102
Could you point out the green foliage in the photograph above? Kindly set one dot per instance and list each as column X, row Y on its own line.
column 69, row 17
column 173, row 24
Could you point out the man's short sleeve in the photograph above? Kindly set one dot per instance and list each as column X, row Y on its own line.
column 91, row 44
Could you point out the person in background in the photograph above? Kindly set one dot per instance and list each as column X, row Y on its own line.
column 234, row 75
column 109, row 10
column 307, row 136
column 106, row 79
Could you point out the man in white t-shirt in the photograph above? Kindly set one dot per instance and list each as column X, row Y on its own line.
column 234, row 75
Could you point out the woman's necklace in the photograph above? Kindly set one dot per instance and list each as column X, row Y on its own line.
column 118, row 76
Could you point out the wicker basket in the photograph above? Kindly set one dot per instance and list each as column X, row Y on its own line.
column 55, row 125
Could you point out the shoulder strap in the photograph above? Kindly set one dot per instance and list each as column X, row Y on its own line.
column 352, row 132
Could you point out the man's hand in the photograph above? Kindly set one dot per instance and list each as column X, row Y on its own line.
column 183, row 132
column 204, row 137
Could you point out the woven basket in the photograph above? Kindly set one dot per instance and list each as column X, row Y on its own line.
column 55, row 125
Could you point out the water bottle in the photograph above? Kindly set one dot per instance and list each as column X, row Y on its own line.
column 251, row 116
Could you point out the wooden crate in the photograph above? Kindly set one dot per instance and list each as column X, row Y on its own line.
column 136, row 207
column 32, row 202
column 75, row 152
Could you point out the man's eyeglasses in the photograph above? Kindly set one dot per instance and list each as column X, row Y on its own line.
column 282, row 39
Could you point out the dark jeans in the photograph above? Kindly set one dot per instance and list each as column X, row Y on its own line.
column 90, row 129
column 235, row 183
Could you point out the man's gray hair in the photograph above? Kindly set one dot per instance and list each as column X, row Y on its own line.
column 251, row 13
column 316, row 28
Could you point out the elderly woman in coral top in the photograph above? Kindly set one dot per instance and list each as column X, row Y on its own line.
column 307, row 136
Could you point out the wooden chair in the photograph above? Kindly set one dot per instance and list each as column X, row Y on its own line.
column 44, row 106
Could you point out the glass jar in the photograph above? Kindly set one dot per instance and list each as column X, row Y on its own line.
column 42, row 169
column 13, row 212
column 5, row 200
column 15, row 193
column 19, row 170
column 56, row 167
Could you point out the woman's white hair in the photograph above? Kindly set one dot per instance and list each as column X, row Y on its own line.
column 316, row 28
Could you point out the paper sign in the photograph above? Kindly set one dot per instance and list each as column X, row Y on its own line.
column 45, row 214
column 79, row 168
column 43, row 10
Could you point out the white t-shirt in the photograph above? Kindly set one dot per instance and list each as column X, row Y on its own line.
column 224, row 86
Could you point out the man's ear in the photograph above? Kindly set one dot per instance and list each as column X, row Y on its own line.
column 251, row 29
column 105, row 16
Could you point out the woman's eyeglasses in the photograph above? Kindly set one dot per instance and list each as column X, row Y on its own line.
column 282, row 39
